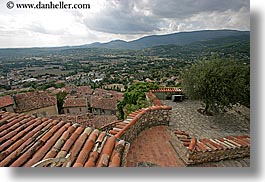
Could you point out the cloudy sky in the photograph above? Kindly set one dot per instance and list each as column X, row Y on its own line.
column 116, row 19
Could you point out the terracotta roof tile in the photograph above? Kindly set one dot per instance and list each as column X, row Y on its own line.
column 41, row 153
column 117, row 154
column 20, row 145
column 58, row 145
column 106, row 152
column 6, row 101
column 34, row 139
column 92, row 159
column 79, row 144
column 84, row 154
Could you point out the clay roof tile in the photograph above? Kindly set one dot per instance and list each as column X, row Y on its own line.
column 36, row 139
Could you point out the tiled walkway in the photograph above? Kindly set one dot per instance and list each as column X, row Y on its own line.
column 152, row 146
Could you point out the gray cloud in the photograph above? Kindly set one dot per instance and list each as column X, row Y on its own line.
column 150, row 16
column 122, row 17
column 180, row 9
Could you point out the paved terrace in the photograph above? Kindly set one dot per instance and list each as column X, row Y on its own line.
column 186, row 117
column 152, row 146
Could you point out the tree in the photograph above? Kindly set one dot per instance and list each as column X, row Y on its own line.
column 60, row 99
column 134, row 98
column 219, row 83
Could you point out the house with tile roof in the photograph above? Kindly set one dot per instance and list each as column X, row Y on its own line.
column 104, row 102
column 6, row 103
column 75, row 106
column 103, row 106
column 38, row 103
column 84, row 91
column 29, row 141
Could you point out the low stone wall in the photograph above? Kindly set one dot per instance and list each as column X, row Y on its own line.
column 193, row 151
column 141, row 120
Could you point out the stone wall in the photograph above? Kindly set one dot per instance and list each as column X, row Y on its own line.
column 144, row 119
column 193, row 151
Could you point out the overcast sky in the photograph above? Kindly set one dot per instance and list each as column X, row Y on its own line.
column 116, row 19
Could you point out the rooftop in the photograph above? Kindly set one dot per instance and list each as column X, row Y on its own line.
column 26, row 140
column 103, row 103
column 33, row 100
column 84, row 90
column 6, row 101
column 102, row 120
column 108, row 93
column 75, row 102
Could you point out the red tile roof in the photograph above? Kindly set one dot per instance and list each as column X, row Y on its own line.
column 108, row 93
column 81, row 91
column 6, row 101
column 82, row 120
column 33, row 100
column 26, row 140
column 167, row 89
column 75, row 102
column 104, row 103
column 84, row 90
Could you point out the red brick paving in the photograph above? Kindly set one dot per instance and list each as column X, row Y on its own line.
column 152, row 145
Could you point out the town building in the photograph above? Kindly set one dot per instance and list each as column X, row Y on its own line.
column 75, row 106
column 103, row 106
column 104, row 102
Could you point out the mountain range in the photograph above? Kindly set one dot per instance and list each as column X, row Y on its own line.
column 196, row 38
column 181, row 38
